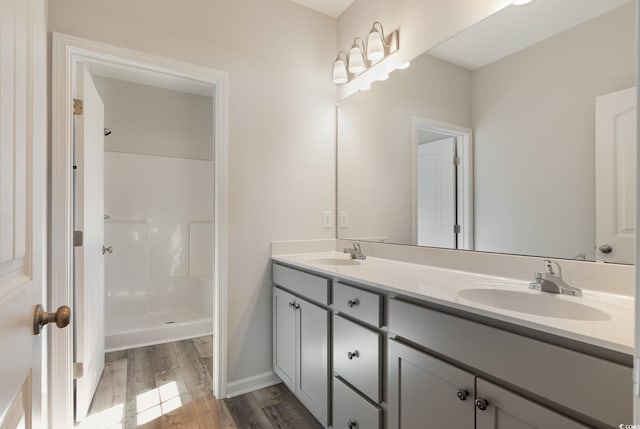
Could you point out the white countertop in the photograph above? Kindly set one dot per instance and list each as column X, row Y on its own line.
column 614, row 331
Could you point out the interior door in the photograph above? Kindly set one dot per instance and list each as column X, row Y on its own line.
column 436, row 187
column 89, row 258
column 616, row 176
column 23, row 168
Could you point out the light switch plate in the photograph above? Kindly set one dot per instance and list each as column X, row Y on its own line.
column 327, row 217
column 344, row 219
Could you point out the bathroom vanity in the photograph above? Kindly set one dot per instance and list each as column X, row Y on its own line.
column 387, row 344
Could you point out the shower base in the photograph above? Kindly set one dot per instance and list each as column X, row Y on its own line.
column 155, row 328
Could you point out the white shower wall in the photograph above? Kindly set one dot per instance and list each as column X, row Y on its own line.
column 159, row 277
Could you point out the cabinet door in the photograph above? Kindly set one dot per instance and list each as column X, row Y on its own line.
column 313, row 365
column 284, row 337
column 506, row 410
column 427, row 392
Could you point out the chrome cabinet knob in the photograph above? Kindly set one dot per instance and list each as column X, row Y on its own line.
column 41, row 318
column 351, row 424
column 296, row 306
column 353, row 303
column 606, row 249
column 481, row 404
column 462, row 394
column 107, row 249
column 355, row 354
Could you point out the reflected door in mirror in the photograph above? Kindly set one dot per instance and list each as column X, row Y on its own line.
column 616, row 176
column 437, row 193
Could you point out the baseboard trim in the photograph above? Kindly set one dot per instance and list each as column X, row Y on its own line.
column 249, row 384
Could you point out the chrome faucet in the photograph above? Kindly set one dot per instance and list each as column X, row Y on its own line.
column 551, row 281
column 356, row 252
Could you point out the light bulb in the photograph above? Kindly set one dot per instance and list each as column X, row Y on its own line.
column 340, row 72
column 375, row 46
column 356, row 60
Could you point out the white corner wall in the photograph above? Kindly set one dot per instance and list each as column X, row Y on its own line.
column 156, row 121
column 281, row 127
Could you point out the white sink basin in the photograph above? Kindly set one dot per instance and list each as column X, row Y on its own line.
column 539, row 304
column 334, row 261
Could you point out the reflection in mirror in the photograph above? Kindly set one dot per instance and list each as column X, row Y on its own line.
column 515, row 136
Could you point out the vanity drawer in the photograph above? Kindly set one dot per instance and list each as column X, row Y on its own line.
column 357, row 356
column 560, row 375
column 358, row 303
column 301, row 283
column 349, row 406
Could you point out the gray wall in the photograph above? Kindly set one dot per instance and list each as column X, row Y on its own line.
column 156, row 121
column 375, row 155
column 281, row 126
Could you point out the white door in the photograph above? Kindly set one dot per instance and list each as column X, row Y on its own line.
column 616, row 176
column 436, row 187
column 23, row 142
column 89, row 259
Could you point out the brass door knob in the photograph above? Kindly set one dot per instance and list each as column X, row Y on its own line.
column 41, row 318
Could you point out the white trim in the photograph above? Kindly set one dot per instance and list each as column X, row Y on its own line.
column 66, row 51
column 249, row 384
column 464, row 136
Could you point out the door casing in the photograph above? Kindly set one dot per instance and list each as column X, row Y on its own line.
column 67, row 52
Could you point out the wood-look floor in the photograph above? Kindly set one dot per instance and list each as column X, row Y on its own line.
column 169, row 386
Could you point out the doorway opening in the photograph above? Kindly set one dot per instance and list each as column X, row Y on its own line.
column 139, row 181
column 443, row 185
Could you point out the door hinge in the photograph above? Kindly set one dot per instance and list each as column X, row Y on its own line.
column 77, row 238
column 77, row 107
column 456, row 229
column 78, row 370
column 456, row 160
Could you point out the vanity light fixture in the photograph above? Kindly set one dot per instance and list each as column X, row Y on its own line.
column 362, row 57
column 356, row 57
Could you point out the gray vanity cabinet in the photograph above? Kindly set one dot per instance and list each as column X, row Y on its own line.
column 284, row 337
column 507, row 410
column 312, row 377
column 427, row 392
column 301, row 341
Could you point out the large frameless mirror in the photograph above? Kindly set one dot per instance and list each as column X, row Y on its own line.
column 515, row 136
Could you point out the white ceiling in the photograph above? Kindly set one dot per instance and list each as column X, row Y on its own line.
column 330, row 7
column 517, row 27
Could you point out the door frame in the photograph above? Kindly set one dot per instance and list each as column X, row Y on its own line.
column 464, row 138
column 66, row 52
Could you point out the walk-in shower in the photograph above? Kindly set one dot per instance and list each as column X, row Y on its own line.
column 158, row 214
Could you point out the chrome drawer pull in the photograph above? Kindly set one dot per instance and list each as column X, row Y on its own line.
column 353, row 303
column 355, row 354
column 351, row 424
